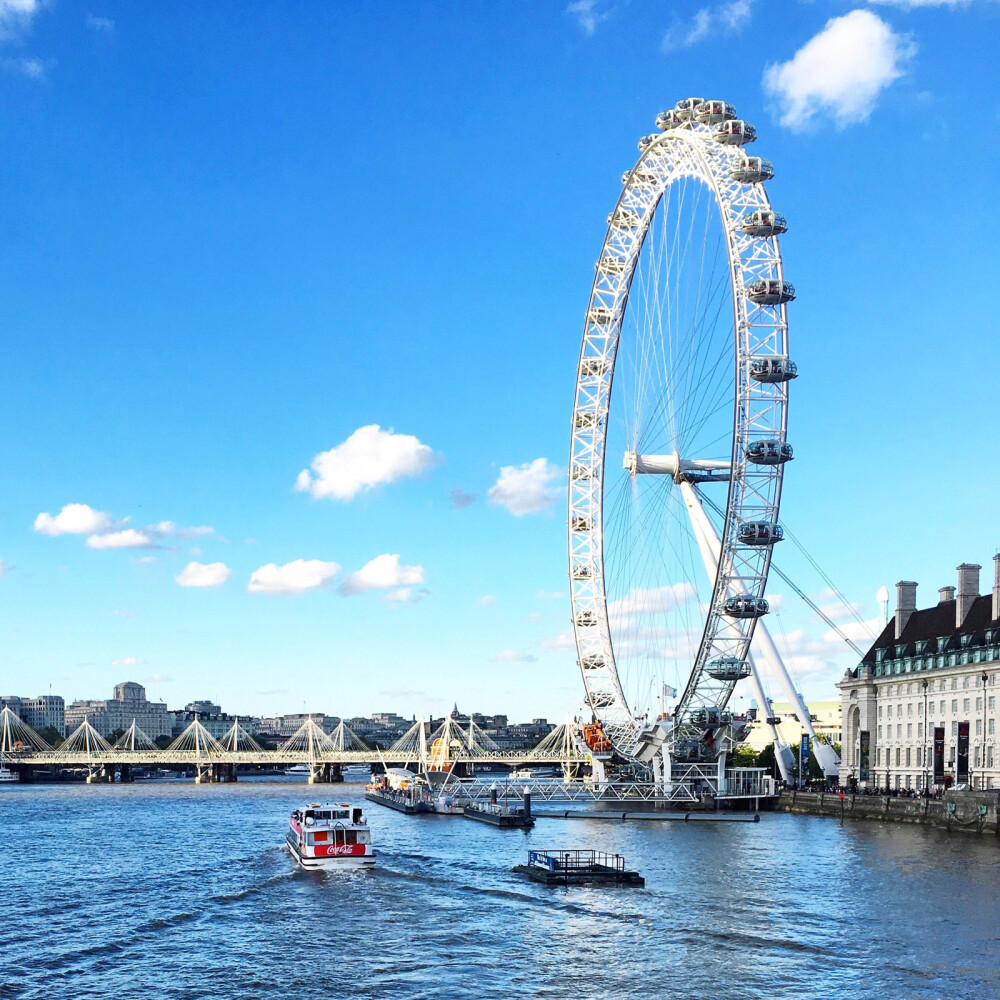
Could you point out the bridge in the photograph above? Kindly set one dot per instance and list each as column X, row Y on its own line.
column 451, row 748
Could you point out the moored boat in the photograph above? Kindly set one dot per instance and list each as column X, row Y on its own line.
column 331, row 835
column 6, row 774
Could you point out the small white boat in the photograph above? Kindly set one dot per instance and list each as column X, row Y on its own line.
column 297, row 769
column 331, row 835
column 6, row 774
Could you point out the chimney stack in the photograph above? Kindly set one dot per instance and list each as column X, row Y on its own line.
column 968, row 590
column 906, row 604
column 996, row 586
column 946, row 594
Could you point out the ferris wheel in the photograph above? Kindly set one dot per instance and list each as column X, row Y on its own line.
column 679, row 433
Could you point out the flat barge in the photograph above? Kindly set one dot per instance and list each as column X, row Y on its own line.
column 578, row 868
column 502, row 817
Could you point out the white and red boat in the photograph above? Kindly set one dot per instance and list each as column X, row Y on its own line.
column 331, row 835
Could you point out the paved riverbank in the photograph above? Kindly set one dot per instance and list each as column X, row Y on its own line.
column 965, row 812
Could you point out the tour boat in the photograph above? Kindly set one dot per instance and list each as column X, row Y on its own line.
column 331, row 835
column 6, row 774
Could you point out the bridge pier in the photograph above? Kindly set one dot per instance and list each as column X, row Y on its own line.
column 100, row 774
column 125, row 774
column 203, row 774
column 325, row 774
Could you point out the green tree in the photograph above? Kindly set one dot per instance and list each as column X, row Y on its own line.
column 163, row 741
column 744, row 756
column 51, row 735
column 767, row 759
column 116, row 735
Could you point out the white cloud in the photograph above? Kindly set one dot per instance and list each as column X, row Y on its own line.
column 158, row 679
column 486, row 600
column 368, row 458
column 146, row 560
column 535, row 616
column 515, row 656
column 525, row 489
column 15, row 17
column 840, row 72
column 726, row 18
column 588, row 14
column 860, row 632
column 73, row 519
column 774, row 602
column 562, row 642
column 123, row 613
column 922, row 3
column 641, row 601
column 406, row 595
column 295, row 577
column 33, row 69
column 382, row 573
column 460, row 499
column 167, row 529
column 548, row 595
column 100, row 24
column 127, row 538
column 197, row 574
column 128, row 661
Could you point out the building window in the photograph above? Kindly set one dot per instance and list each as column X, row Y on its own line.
column 965, row 704
column 920, row 730
column 909, row 730
column 899, row 730
column 954, row 729
column 880, row 711
column 954, row 704
column 919, row 756
column 943, row 704
column 878, row 756
column 909, row 709
column 897, row 759
column 991, row 726
column 954, row 683
column 880, row 732
column 907, row 756
column 888, row 710
column 965, row 682
column 979, row 704
column 991, row 704
column 930, row 710
column 979, row 727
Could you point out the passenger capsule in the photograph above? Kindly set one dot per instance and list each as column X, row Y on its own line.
column 646, row 141
column 686, row 749
column 770, row 292
column 585, row 619
column 753, row 171
column 581, row 471
column 745, row 606
column 601, row 699
column 734, row 133
column 586, row 419
column 759, row 533
column 686, row 108
column 713, row 112
column 581, row 571
column 729, row 669
column 707, row 718
column 769, row 452
column 762, row 222
column 773, row 369
column 581, row 523
column 593, row 366
column 666, row 120
column 642, row 176
column 600, row 315
column 611, row 265
column 624, row 218
column 593, row 661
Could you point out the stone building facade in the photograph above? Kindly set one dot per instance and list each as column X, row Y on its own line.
column 920, row 710
column 45, row 710
column 129, row 703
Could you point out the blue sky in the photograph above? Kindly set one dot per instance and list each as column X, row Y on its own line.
column 235, row 237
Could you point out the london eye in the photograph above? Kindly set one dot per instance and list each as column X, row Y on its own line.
column 679, row 435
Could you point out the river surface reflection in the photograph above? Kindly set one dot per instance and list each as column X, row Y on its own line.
column 167, row 889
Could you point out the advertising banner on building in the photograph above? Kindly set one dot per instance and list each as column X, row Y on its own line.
column 938, row 754
column 865, row 751
column 962, row 754
column 804, row 757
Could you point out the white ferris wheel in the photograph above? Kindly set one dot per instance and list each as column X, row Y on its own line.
column 679, row 434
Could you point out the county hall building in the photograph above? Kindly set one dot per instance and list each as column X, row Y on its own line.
column 920, row 710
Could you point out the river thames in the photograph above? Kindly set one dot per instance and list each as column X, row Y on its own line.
column 167, row 889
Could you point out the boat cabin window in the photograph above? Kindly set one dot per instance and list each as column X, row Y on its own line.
column 327, row 814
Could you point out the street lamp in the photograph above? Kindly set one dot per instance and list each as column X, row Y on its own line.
column 923, row 684
column 982, row 746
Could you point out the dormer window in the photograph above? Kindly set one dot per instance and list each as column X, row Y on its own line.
column 942, row 643
column 921, row 645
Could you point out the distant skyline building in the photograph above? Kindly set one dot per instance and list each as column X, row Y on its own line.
column 129, row 703
column 39, row 713
column 920, row 710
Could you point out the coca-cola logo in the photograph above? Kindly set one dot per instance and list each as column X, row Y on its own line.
column 340, row 849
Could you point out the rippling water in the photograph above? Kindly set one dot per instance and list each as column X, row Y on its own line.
column 169, row 889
